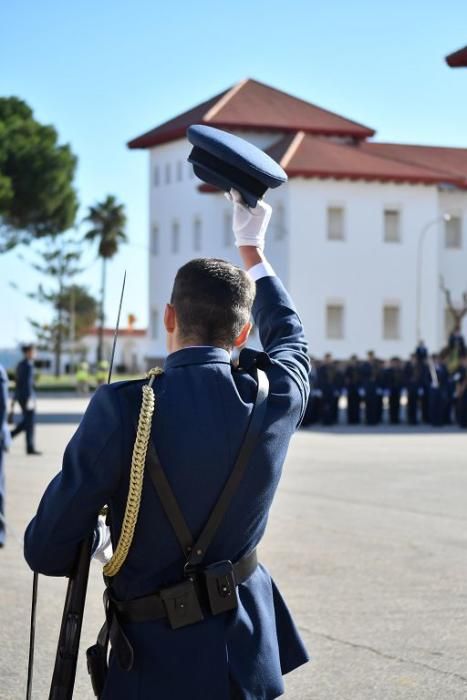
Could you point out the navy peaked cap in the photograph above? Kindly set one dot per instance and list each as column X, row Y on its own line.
column 227, row 161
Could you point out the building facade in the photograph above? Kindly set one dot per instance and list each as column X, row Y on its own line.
column 362, row 234
column 130, row 352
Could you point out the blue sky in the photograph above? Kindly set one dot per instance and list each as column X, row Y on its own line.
column 104, row 72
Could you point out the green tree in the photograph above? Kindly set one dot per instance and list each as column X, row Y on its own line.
column 58, row 262
column 37, row 198
column 75, row 312
column 108, row 222
column 80, row 310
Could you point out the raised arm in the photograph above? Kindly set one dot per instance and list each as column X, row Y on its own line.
column 280, row 328
column 3, row 399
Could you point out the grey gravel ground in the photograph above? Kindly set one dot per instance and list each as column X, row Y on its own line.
column 367, row 541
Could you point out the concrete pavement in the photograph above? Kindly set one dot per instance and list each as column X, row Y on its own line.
column 367, row 542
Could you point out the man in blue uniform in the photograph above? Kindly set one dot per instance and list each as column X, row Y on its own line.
column 4, row 444
column 373, row 387
column 353, row 389
column 26, row 397
column 393, row 382
column 203, row 408
column 460, row 397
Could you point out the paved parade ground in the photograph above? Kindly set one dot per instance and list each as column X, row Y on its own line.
column 367, row 542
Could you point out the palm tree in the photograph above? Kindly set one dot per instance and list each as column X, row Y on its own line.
column 108, row 221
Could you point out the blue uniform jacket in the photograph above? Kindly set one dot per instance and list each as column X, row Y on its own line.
column 202, row 410
column 24, row 389
column 4, row 431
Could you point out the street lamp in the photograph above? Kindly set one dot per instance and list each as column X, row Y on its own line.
column 421, row 240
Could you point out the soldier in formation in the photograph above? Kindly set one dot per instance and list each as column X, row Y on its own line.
column 425, row 389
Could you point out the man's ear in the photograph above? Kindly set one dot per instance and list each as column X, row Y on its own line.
column 169, row 318
column 242, row 337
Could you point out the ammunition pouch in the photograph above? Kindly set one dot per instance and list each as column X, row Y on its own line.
column 182, row 605
column 96, row 657
column 204, row 592
column 221, row 587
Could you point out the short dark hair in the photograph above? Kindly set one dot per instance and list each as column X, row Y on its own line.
column 212, row 300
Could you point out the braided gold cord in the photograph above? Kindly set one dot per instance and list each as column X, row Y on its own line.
column 138, row 460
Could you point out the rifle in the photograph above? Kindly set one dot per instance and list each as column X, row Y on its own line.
column 64, row 674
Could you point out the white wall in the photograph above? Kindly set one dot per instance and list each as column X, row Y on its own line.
column 363, row 271
column 453, row 262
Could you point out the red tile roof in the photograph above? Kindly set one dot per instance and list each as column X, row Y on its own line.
column 311, row 156
column 458, row 59
column 304, row 155
column 307, row 134
column 449, row 162
column 253, row 105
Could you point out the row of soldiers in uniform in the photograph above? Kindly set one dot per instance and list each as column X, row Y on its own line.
column 433, row 390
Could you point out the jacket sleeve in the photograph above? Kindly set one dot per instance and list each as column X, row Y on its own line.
column 282, row 337
column 91, row 470
column 17, row 381
column 30, row 379
column 3, row 398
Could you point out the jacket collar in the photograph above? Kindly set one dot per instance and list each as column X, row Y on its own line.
column 197, row 355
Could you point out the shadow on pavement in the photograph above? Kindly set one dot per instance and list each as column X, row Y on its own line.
column 58, row 418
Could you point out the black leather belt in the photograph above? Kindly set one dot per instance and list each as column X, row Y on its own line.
column 152, row 607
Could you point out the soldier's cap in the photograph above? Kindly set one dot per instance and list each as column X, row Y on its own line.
column 227, row 161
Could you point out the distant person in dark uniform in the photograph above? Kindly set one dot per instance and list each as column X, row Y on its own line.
column 312, row 412
column 203, row 408
column 393, row 382
column 25, row 395
column 460, row 396
column 456, row 343
column 438, row 393
column 352, row 387
column 413, row 385
column 4, row 444
column 425, row 390
column 421, row 352
column 328, row 382
column 373, row 386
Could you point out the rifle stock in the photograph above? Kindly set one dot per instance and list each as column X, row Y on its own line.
column 66, row 657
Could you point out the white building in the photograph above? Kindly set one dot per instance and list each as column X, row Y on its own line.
column 348, row 230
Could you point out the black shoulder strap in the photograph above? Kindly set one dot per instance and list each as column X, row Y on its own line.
column 168, row 500
column 249, row 443
column 196, row 552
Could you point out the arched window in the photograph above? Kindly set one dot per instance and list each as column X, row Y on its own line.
column 155, row 242
column 197, row 235
column 175, row 237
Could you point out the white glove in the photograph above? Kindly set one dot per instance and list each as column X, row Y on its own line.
column 102, row 546
column 249, row 225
